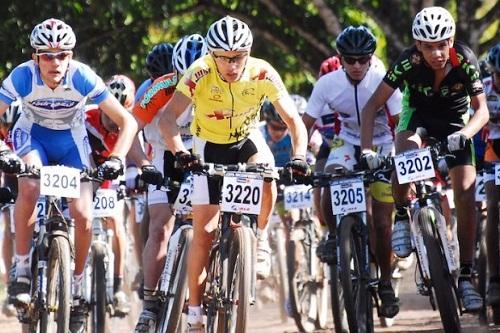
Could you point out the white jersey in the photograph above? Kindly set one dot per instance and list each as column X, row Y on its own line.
column 336, row 93
column 493, row 100
column 61, row 108
column 154, row 137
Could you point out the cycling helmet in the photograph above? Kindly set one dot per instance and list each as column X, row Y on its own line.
column 229, row 34
column 433, row 24
column 300, row 103
column 123, row 89
column 12, row 113
column 159, row 60
column 187, row 50
column 270, row 113
column 356, row 41
column 494, row 58
column 329, row 65
column 484, row 68
column 52, row 34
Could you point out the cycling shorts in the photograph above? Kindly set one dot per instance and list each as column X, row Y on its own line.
column 324, row 151
column 68, row 147
column 158, row 195
column 208, row 190
column 347, row 155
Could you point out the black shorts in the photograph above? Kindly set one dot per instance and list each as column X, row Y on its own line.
column 324, row 151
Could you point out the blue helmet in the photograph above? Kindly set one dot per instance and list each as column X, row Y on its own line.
column 187, row 50
column 159, row 60
column 494, row 58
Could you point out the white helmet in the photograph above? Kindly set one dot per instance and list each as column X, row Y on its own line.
column 229, row 34
column 52, row 34
column 123, row 88
column 433, row 24
column 12, row 113
column 300, row 103
column 187, row 50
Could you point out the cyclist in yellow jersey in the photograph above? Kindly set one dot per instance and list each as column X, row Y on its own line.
column 227, row 88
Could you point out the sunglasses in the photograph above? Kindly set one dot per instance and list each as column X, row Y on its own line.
column 49, row 56
column 277, row 127
column 229, row 60
column 353, row 60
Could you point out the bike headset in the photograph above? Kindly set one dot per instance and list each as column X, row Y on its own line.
column 187, row 50
column 159, row 60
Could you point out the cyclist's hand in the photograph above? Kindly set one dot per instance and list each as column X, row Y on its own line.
column 10, row 162
column 298, row 166
column 151, row 175
column 456, row 141
column 370, row 160
column 186, row 161
column 111, row 168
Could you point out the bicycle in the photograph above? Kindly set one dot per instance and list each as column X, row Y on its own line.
column 48, row 309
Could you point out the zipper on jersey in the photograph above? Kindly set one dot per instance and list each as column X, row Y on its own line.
column 356, row 101
column 232, row 106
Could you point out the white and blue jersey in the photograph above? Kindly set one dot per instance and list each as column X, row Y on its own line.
column 52, row 120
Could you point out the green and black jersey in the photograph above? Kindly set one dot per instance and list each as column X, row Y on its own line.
column 441, row 112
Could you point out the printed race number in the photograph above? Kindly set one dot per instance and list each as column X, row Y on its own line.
column 348, row 196
column 480, row 190
column 105, row 203
column 183, row 201
column 60, row 181
column 497, row 173
column 297, row 196
column 242, row 193
column 414, row 165
column 40, row 208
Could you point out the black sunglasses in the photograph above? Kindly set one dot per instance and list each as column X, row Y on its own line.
column 353, row 60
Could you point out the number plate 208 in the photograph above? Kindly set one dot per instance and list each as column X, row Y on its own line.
column 242, row 193
column 414, row 165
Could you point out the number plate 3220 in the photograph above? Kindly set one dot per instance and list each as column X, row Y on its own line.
column 242, row 193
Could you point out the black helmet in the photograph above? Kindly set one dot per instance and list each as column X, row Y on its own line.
column 494, row 58
column 356, row 41
column 159, row 60
column 269, row 112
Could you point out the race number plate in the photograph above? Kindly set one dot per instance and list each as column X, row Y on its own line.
column 60, row 181
column 297, row 196
column 105, row 203
column 348, row 196
column 183, row 202
column 497, row 173
column 40, row 208
column 242, row 193
column 480, row 190
column 414, row 165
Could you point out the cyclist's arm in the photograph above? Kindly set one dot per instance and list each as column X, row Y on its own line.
column 3, row 107
column 125, row 121
column 376, row 101
column 309, row 122
column 136, row 153
column 167, row 123
column 290, row 116
column 480, row 117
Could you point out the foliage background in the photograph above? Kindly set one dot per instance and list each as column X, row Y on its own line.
column 293, row 35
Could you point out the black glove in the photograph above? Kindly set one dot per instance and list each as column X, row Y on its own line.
column 151, row 175
column 111, row 168
column 299, row 166
column 187, row 162
column 10, row 162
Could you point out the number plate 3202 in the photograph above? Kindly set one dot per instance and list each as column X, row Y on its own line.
column 242, row 193
column 348, row 196
column 414, row 165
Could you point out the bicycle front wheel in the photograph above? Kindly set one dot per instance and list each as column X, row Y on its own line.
column 98, row 297
column 357, row 299
column 56, row 318
column 237, row 282
column 442, row 281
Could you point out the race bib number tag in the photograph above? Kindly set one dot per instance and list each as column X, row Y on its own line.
column 242, row 193
column 297, row 196
column 40, row 208
column 60, row 181
column 497, row 173
column 105, row 203
column 480, row 190
column 348, row 196
column 414, row 165
column 183, row 202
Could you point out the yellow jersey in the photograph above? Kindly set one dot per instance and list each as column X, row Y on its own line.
column 227, row 112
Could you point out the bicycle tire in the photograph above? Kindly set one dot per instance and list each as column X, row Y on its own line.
column 99, row 322
column 172, row 311
column 302, row 291
column 58, row 287
column 212, row 288
column 337, row 299
column 441, row 280
column 237, row 282
column 357, row 299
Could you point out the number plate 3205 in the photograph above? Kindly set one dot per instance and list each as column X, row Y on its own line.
column 348, row 196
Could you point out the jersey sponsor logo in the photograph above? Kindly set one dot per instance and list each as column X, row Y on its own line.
column 201, row 73
column 248, row 92
column 151, row 92
column 216, row 94
column 457, row 87
column 220, row 114
column 492, row 98
column 54, row 103
column 416, row 59
column 399, row 69
column 19, row 138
